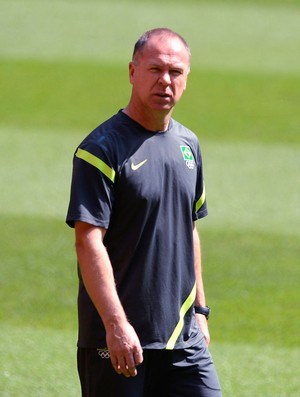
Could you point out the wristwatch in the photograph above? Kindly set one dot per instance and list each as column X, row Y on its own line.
column 203, row 310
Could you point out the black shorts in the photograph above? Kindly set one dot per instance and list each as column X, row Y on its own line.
column 164, row 373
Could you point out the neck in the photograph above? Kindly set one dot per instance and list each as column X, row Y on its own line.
column 150, row 120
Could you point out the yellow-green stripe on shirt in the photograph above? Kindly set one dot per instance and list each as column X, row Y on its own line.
column 201, row 200
column 184, row 309
column 96, row 162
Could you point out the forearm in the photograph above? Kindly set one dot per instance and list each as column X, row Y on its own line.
column 200, row 294
column 97, row 274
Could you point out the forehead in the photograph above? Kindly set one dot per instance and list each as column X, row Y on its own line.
column 165, row 49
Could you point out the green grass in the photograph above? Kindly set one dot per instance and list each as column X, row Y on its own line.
column 257, row 370
column 227, row 106
column 62, row 71
column 234, row 36
column 34, row 272
column 37, row 362
column 250, row 280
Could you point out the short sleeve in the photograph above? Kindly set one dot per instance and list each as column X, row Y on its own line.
column 92, row 187
column 200, row 205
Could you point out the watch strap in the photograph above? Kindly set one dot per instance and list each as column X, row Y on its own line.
column 205, row 310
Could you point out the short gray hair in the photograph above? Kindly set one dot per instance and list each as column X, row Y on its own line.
column 142, row 41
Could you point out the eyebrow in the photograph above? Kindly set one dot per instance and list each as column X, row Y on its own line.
column 180, row 66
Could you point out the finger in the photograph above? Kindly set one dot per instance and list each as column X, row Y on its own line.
column 138, row 357
column 115, row 365
column 130, row 364
column 207, row 340
column 132, row 371
column 117, row 369
column 123, row 367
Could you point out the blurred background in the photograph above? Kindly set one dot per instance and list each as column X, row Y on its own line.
column 64, row 70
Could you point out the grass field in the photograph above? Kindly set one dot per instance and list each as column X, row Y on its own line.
column 63, row 70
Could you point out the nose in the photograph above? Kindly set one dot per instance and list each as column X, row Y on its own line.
column 165, row 79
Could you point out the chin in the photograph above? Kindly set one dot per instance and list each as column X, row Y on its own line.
column 163, row 106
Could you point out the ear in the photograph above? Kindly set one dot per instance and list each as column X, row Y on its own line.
column 186, row 79
column 185, row 84
column 131, row 71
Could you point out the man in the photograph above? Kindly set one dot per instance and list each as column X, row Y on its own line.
column 137, row 189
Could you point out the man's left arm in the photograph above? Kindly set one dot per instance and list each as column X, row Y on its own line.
column 200, row 295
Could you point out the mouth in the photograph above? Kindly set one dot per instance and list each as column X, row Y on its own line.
column 163, row 96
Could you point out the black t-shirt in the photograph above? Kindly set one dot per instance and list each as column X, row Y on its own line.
column 146, row 188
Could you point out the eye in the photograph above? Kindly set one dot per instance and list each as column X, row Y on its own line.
column 176, row 72
column 154, row 69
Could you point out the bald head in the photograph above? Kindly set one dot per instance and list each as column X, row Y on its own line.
column 162, row 34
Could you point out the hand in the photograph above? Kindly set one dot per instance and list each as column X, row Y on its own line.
column 125, row 349
column 203, row 324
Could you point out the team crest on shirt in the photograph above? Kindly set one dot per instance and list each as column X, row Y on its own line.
column 188, row 156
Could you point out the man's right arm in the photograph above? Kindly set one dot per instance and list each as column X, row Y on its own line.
column 97, row 274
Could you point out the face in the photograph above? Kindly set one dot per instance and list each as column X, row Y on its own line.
column 159, row 73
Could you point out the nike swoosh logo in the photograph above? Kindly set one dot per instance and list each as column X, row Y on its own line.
column 135, row 167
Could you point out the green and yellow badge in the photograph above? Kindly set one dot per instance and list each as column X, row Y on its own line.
column 188, row 156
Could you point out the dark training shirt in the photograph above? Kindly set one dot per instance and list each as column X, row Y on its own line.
column 146, row 188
